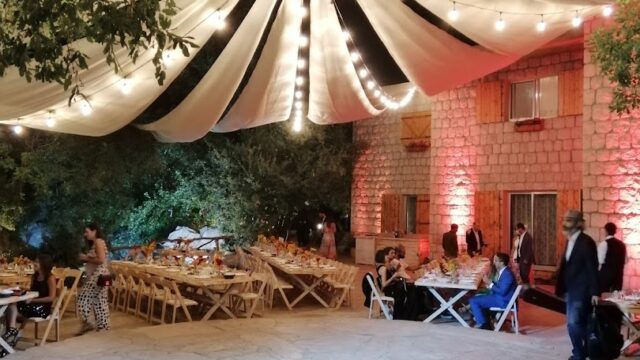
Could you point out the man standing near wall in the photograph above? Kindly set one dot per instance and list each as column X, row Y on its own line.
column 450, row 242
column 523, row 252
column 578, row 280
column 475, row 243
column 612, row 255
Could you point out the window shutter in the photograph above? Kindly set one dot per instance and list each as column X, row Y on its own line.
column 415, row 133
column 391, row 210
column 487, row 216
column 567, row 199
column 490, row 101
column 570, row 92
column 422, row 215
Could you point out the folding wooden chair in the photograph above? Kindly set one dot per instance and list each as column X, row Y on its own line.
column 53, row 318
column 276, row 283
column 511, row 308
column 383, row 301
column 168, row 293
column 250, row 296
column 72, row 292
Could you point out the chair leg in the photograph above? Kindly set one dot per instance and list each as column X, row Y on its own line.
column 370, row 308
column 515, row 316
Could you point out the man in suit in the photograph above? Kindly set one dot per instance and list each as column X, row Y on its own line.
column 500, row 291
column 475, row 243
column 612, row 255
column 450, row 242
column 578, row 280
column 523, row 252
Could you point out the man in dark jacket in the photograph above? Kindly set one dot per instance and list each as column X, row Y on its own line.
column 450, row 242
column 523, row 253
column 475, row 242
column 612, row 255
column 578, row 280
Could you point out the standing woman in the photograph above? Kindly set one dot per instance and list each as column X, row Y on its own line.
column 93, row 297
column 328, row 246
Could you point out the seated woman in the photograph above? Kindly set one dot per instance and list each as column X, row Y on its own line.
column 391, row 282
column 45, row 284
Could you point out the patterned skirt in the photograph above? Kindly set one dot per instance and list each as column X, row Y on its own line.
column 32, row 310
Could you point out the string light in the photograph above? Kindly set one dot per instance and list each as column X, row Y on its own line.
column 607, row 10
column 500, row 25
column 17, row 129
column 299, row 80
column 355, row 56
column 298, row 94
column 297, row 124
column 346, row 35
column 50, row 121
column 167, row 58
column 303, row 11
column 453, row 14
column 125, row 86
column 304, row 41
column 85, row 108
column 541, row 26
column 370, row 84
column 363, row 73
column 577, row 20
column 301, row 64
column 218, row 20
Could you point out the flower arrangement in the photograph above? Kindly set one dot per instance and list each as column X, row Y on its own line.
column 148, row 249
column 21, row 261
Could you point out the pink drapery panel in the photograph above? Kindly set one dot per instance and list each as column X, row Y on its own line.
column 336, row 94
column 268, row 96
column 432, row 59
column 111, row 109
column 197, row 114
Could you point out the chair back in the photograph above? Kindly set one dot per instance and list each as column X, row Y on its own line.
column 375, row 295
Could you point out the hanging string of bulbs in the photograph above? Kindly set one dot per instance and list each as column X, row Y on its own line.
column 301, row 83
column 126, row 84
column 500, row 24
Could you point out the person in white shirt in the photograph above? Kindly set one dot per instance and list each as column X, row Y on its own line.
column 612, row 254
column 523, row 252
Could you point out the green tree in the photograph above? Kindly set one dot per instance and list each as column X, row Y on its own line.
column 616, row 50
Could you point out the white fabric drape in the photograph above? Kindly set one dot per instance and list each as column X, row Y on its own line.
column 111, row 110
column 335, row 92
column 520, row 36
column 203, row 107
column 268, row 96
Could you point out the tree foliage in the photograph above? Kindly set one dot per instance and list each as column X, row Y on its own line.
column 37, row 36
column 617, row 52
column 245, row 182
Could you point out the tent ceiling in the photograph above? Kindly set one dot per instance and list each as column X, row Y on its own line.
column 250, row 67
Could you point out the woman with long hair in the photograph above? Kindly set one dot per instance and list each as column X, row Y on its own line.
column 328, row 245
column 93, row 296
column 45, row 284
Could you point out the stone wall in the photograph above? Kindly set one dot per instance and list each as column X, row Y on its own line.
column 383, row 165
column 467, row 156
column 611, row 166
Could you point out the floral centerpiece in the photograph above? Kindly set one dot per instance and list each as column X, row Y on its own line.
column 148, row 250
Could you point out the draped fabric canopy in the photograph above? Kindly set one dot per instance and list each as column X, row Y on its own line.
column 253, row 80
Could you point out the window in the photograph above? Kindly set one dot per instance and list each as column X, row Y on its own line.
column 534, row 99
column 537, row 211
column 411, row 207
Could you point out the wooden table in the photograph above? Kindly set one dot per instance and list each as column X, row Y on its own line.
column 296, row 272
column 629, row 311
column 4, row 304
column 210, row 285
column 464, row 285
column 13, row 278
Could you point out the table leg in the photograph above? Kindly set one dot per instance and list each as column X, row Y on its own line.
column 634, row 337
column 3, row 343
column 447, row 305
column 309, row 290
column 219, row 304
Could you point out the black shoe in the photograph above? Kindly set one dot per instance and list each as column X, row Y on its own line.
column 11, row 333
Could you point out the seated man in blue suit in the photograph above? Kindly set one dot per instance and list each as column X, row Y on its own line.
column 500, row 291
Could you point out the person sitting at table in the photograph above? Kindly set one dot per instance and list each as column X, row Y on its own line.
column 501, row 290
column 390, row 282
column 44, row 283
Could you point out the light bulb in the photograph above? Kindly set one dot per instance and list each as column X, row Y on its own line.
column 541, row 26
column 377, row 93
column 355, row 56
column 304, row 41
column 298, row 94
column 363, row 73
column 299, row 113
column 298, row 105
column 346, row 35
column 51, row 121
column 370, row 84
column 218, row 20
column 18, row 130
column 453, row 14
column 85, row 108
column 299, row 80
column 297, row 125
column 500, row 24
column 167, row 58
column 301, row 64
column 576, row 21
column 125, row 86
column 303, row 11
column 607, row 10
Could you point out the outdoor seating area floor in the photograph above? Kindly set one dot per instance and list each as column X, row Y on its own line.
column 325, row 337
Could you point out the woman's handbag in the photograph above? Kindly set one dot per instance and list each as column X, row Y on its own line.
column 104, row 280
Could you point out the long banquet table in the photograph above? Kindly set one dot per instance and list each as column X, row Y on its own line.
column 216, row 288
column 297, row 272
column 4, row 304
column 464, row 284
